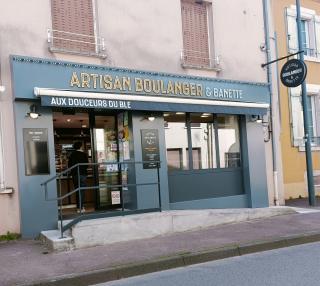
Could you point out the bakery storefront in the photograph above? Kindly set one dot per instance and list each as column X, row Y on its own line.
column 204, row 132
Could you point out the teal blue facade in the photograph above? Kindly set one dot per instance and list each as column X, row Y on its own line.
column 67, row 76
column 30, row 73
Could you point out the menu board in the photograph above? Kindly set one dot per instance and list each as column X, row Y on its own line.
column 36, row 156
column 150, row 148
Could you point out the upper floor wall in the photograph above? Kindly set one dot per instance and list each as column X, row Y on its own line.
column 143, row 34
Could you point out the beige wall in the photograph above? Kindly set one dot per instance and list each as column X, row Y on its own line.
column 141, row 34
column 146, row 34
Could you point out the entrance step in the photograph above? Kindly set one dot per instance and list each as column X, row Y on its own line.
column 110, row 230
column 53, row 241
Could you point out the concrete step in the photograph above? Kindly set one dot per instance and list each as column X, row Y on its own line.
column 53, row 241
column 110, row 230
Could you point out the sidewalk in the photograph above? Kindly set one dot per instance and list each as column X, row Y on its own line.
column 28, row 263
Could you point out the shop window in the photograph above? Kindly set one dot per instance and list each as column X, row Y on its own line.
column 215, row 142
column 176, row 141
column 195, row 32
column 174, row 158
column 229, row 141
column 73, row 27
column 196, row 158
column 203, row 141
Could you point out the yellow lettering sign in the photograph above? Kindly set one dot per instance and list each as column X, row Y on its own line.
column 74, row 80
column 85, row 80
column 138, row 84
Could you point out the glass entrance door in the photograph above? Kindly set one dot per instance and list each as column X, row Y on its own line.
column 106, row 151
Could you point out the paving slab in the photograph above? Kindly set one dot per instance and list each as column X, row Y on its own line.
column 27, row 262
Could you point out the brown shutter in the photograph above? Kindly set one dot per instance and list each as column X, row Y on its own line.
column 76, row 17
column 195, row 33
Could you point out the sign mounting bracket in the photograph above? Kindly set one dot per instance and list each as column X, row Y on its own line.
column 279, row 59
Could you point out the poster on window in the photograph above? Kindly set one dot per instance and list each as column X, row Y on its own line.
column 115, row 198
column 150, row 148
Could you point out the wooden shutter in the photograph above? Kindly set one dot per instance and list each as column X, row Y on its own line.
column 317, row 28
column 195, row 33
column 292, row 32
column 73, row 25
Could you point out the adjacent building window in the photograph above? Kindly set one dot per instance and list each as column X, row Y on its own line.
column 73, row 27
column 310, row 32
column 213, row 139
column 313, row 111
column 195, row 30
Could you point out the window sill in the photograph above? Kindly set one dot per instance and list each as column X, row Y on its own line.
column 86, row 54
column 6, row 191
column 186, row 66
column 312, row 59
column 313, row 148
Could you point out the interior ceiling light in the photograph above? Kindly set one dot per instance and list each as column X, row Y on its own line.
column 180, row 113
column 68, row 120
column 84, row 126
column 166, row 114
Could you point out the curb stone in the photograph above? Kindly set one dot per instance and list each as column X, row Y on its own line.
column 177, row 260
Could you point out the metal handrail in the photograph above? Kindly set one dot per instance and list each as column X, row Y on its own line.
column 213, row 62
column 95, row 42
column 61, row 197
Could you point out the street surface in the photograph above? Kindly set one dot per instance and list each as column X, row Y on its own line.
column 294, row 266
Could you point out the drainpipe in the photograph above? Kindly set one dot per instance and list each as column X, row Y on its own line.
column 272, row 114
column 3, row 188
column 2, row 183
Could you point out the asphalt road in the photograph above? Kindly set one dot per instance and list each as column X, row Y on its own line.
column 294, row 266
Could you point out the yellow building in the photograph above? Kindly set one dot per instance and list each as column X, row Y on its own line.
column 292, row 132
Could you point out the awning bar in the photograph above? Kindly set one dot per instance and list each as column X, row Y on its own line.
column 144, row 98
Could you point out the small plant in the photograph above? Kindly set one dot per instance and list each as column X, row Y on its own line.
column 9, row 236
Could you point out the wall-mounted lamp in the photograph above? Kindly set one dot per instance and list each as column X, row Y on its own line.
column 33, row 114
column 256, row 118
column 151, row 118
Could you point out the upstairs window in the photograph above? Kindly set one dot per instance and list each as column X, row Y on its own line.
column 310, row 30
column 73, row 27
column 313, row 112
column 195, row 32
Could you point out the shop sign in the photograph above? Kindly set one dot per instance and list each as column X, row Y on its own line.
column 150, row 148
column 81, row 102
column 29, row 73
column 150, row 86
column 293, row 73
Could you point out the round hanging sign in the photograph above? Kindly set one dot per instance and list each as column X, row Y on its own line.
column 293, row 73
